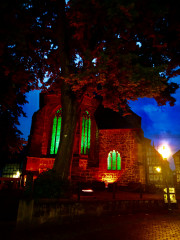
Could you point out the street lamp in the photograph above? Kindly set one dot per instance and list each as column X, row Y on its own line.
column 165, row 152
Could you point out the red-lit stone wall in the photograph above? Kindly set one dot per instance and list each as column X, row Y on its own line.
column 36, row 164
column 125, row 142
column 39, row 158
column 41, row 128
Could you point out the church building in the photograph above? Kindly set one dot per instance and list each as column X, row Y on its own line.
column 108, row 146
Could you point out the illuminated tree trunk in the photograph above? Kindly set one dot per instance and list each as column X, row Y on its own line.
column 70, row 114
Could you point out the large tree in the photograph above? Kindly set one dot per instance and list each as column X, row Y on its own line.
column 120, row 50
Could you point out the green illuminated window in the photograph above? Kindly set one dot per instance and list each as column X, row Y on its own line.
column 114, row 161
column 56, row 131
column 86, row 133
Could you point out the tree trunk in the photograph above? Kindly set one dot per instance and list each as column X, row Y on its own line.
column 70, row 106
column 70, row 115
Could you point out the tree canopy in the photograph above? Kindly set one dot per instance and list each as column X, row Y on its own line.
column 120, row 50
column 114, row 48
column 14, row 79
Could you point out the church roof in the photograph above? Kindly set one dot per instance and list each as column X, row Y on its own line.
column 108, row 119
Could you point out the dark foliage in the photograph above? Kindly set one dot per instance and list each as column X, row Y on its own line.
column 15, row 78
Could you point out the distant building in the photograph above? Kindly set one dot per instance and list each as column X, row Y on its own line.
column 153, row 165
column 176, row 158
column 12, row 170
column 11, row 174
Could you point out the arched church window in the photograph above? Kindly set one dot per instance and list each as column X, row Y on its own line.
column 85, row 133
column 114, row 160
column 56, row 131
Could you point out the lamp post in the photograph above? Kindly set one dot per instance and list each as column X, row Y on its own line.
column 165, row 153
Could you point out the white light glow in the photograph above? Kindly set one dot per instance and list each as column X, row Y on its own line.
column 87, row 190
column 17, row 175
column 164, row 150
column 158, row 169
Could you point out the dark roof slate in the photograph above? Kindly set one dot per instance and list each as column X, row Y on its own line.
column 108, row 119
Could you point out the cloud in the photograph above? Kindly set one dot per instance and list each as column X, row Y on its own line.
column 160, row 123
column 152, row 109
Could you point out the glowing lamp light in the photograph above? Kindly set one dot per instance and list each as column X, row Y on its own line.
column 17, row 175
column 165, row 151
column 158, row 169
column 109, row 178
column 87, row 190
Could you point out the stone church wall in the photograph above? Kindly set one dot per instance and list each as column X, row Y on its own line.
column 85, row 167
column 124, row 141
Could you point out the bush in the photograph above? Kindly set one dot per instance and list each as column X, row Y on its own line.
column 50, row 185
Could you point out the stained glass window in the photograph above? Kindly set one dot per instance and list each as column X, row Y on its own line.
column 56, row 131
column 114, row 161
column 85, row 133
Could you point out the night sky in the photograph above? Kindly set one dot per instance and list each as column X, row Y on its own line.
column 160, row 124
